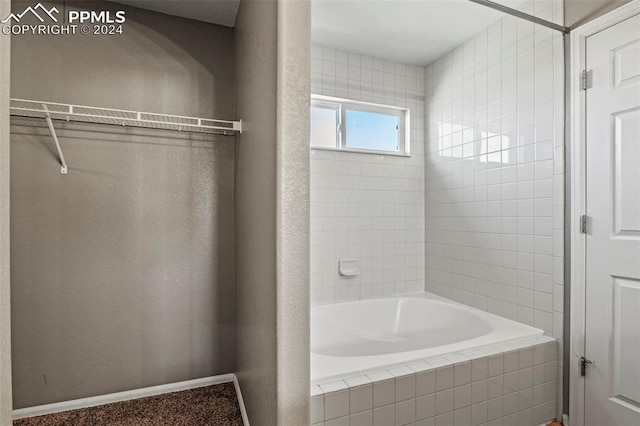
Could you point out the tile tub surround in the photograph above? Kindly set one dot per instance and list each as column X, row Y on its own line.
column 495, row 172
column 365, row 206
column 502, row 385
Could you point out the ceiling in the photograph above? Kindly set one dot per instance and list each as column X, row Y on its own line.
column 410, row 31
column 221, row 12
column 578, row 12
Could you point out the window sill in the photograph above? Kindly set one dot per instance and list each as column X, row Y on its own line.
column 360, row 151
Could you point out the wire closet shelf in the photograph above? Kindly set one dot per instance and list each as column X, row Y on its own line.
column 149, row 120
column 86, row 114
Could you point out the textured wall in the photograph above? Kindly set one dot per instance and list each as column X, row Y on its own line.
column 5, row 310
column 156, row 66
column 495, row 172
column 272, row 210
column 123, row 270
column 367, row 206
column 255, row 38
column 294, row 41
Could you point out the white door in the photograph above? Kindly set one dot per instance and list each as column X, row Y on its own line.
column 612, row 382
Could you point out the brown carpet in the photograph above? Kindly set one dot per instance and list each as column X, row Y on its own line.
column 212, row 405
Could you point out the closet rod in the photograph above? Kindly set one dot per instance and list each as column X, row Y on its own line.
column 149, row 120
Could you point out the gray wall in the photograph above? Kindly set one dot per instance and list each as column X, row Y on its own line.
column 579, row 12
column 272, row 43
column 5, row 317
column 123, row 270
column 255, row 196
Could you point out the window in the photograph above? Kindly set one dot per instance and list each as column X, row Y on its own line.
column 325, row 118
column 346, row 125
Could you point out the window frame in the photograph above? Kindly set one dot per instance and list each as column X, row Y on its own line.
column 341, row 105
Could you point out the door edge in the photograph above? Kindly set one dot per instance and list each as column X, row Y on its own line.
column 576, row 198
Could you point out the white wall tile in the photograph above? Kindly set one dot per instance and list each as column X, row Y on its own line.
column 360, row 398
column 364, row 418
column 529, row 392
column 383, row 392
column 462, row 373
column 496, row 365
column 384, row 416
column 405, row 412
column 342, row 421
column 336, row 404
column 425, row 406
column 462, row 396
column 444, row 401
column 364, row 206
column 511, row 361
column 317, row 409
column 425, row 383
column 510, row 183
column 479, row 414
column 462, row 416
column 479, row 391
column 444, row 419
column 444, row 378
column 405, row 387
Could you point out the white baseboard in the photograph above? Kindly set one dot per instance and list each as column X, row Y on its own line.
column 93, row 401
column 243, row 410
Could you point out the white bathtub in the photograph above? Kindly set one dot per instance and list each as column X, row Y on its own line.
column 354, row 337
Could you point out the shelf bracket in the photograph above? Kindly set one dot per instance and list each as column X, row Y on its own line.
column 47, row 116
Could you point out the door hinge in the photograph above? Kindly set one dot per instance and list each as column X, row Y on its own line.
column 583, row 366
column 583, row 224
column 584, row 80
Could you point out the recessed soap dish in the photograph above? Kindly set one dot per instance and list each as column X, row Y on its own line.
column 348, row 267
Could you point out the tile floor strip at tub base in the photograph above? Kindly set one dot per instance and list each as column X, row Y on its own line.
column 501, row 385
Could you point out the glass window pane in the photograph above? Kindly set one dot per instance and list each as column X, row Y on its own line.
column 370, row 130
column 324, row 123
